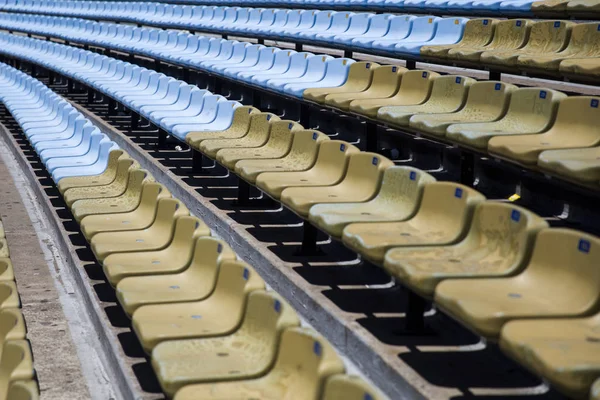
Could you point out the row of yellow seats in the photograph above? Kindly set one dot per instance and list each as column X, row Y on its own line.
column 585, row 9
column 17, row 376
column 443, row 240
column 191, row 299
column 550, row 47
column 536, row 127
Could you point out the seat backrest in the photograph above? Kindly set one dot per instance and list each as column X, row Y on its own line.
column 577, row 120
column 478, row 32
column 449, row 29
column 548, row 36
column 12, row 326
column 24, row 390
column 416, row 86
column 305, row 146
column 585, row 40
column 365, row 173
column 6, row 291
column 333, row 157
column 423, row 28
column 360, row 74
column 281, row 134
column 347, row 387
column 400, row 27
column 489, row 97
column 450, row 91
column 510, row 34
column 386, row 80
column 534, row 107
column 16, row 364
column 208, row 255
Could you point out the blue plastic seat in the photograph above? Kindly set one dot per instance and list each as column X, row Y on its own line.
column 448, row 31
column 330, row 23
column 356, row 25
column 335, row 75
column 262, row 61
column 250, row 59
column 400, row 27
column 422, row 30
column 217, row 114
column 377, row 28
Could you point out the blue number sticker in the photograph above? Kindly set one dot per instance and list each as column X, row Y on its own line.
column 599, row 27
column 424, row 74
column 412, row 175
column 277, row 306
column 543, row 94
column 584, row 246
column 290, row 126
column 249, row 111
column 594, row 103
column 367, row 396
column 268, row 117
column 394, row 69
column 557, row 24
column 497, row 86
column 368, row 65
column 374, row 161
column 246, row 274
column 219, row 248
column 458, row 193
column 519, row 23
column 315, row 135
column 485, row 21
column 317, row 349
column 342, row 147
column 457, row 80
column 515, row 215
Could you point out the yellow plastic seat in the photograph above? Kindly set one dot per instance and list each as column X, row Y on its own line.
column 6, row 270
column 304, row 361
column 478, row 33
column 4, row 251
column 2, row 234
column 589, row 9
column 595, row 392
column 497, row 244
column 12, row 326
column 196, row 282
column 562, row 351
column 510, row 34
column 348, row 387
column 302, row 156
column 360, row 75
column 104, row 178
column 257, row 135
column 142, row 217
column 576, row 126
column 172, row 259
column 219, row 314
column 385, row 83
column 23, row 390
column 155, row 237
column 238, row 128
column 581, row 69
column 564, row 263
column 584, row 42
column 443, row 218
column 531, row 110
column 127, row 202
column 486, row 102
column 546, row 37
column 115, row 188
column 448, row 95
column 578, row 165
column 361, row 182
column 328, row 169
column 247, row 353
column 16, row 364
column 398, row 199
column 9, row 296
column 277, row 145
column 415, row 88
column 550, row 8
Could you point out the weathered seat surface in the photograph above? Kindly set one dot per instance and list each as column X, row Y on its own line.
column 12, row 326
column 360, row 75
column 564, row 262
column 576, row 126
column 442, row 218
column 562, row 351
column 478, row 33
column 361, row 183
column 551, row 8
column 583, row 69
column 584, row 8
column 238, row 128
column 579, row 165
column 4, row 251
column 498, row 243
column 397, row 199
column 328, row 169
column 349, row 387
column 247, row 353
column 6, row 270
column 531, row 110
column 9, row 297
column 304, row 361
column 448, row 95
column 16, row 364
column 23, row 390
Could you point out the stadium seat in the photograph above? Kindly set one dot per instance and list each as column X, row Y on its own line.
column 360, row 183
column 397, row 200
column 584, row 8
column 219, row 314
column 302, row 353
column 477, row 33
column 443, row 218
column 349, row 387
column 581, row 69
column 247, row 353
column 12, row 326
column 448, row 31
column 448, row 95
column 486, row 102
column 531, row 110
column 329, row 168
column 562, row 351
column 422, row 29
column 23, row 390
column 577, row 165
column 16, row 364
column 399, row 28
column 564, row 262
column 574, row 127
column 9, row 297
column 549, row 8
column 6, row 270
column 302, row 156
column 360, row 75
column 196, row 282
column 595, row 392
column 172, row 259
column 498, row 243
column 239, row 127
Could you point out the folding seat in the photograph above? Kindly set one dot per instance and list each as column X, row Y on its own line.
column 195, row 282
column 99, row 156
column 23, row 390
column 578, row 165
column 360, row 75
column 545, row 37
column 329, row 168
column 219, row 313
column 240, row 124
column 127, row 202
column 247, row 353
column 562, row 351
column 385, row 83
column 356, row 26
column 477, row 33
column 155, row 237
column 564, row 262
column 360, row 183
column 12, row 326
column 16, row 364
column 372, row 27
column 302, row 353
column 399, row 28
column 349, row 387
column 581, row 69
column 397, row 200
column 415, row 87
column 422, row 29
column 443, row 218
column 589, row 9
column 584, row 42
column 497, row 244
column 277, row 145
column 575, row 126
column 486, row 102
column 302, row 156
column 448, row 31
column 531, row 110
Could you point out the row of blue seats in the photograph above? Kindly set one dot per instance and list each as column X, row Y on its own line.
column 67, row 143
column 284, row 71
